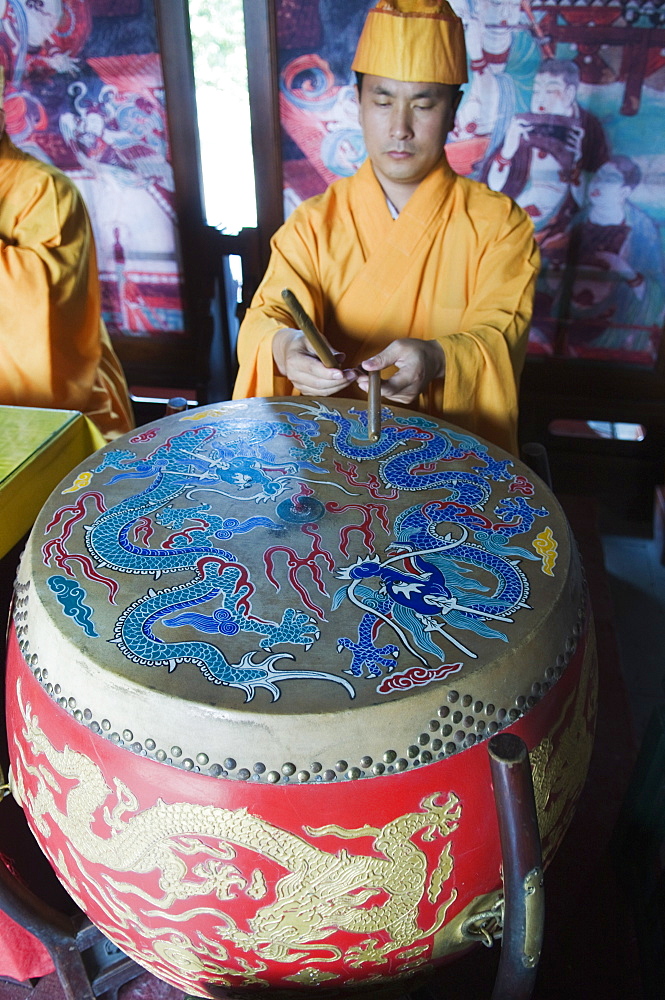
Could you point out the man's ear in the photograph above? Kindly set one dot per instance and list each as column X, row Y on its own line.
column 454, row 105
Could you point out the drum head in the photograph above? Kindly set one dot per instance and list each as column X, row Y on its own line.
column 254, row 590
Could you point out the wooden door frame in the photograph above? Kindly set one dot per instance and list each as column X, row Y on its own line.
column 184, row 357
column 263, row 79
column 178, row 360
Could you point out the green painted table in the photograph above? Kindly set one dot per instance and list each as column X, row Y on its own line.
column 38, row 447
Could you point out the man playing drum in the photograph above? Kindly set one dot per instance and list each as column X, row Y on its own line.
column 55, row 350
column 404, row 266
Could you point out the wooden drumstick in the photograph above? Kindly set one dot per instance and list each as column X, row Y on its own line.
column 374, row 406
column 332, row 359
column 324, row 352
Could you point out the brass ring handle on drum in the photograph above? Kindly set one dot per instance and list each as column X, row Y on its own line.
column 331, row 359
column 5, row 786
column 524, row 911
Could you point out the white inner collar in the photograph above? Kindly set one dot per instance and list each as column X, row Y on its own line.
column 391, row 208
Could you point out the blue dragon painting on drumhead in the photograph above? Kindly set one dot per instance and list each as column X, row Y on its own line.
column 448, row 572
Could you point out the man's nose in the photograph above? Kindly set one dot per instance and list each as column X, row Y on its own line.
column 400, row 124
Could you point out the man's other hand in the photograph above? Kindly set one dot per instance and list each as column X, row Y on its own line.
column 417, row 363
column 297, row 361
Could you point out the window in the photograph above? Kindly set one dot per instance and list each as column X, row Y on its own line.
column 222, row 100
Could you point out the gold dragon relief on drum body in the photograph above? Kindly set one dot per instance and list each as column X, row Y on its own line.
column 322, row 893
column 560, row 761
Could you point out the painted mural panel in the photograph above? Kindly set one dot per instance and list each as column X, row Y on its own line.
column 84, row 91
column 564, row 111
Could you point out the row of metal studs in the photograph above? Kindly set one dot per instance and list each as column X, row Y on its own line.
column 428, row 749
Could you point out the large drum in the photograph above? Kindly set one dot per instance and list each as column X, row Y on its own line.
column 254, row 665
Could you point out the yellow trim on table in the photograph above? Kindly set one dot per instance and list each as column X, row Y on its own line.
column 38, row 447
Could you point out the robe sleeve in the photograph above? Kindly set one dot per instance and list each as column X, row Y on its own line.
column 484, row 360
column 54, row 349
column 293, row 264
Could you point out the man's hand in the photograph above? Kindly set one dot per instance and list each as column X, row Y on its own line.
column 573, row 142
column 417, row 361
column 614, row 262
column 297, row 361
column 517, row 131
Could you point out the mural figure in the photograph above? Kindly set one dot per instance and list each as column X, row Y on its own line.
column 322, row 139
column 545, row 152
column 85, row 93
column 502, row 53
column 543, row 162
column 615, row 298
column 43, row 38
column 321, row 117
column 39, row 41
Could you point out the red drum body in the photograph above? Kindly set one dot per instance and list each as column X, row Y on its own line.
column 254, row 663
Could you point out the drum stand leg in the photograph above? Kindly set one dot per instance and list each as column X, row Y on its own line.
column 64, row 938
column 53, row 929
column 522, row 868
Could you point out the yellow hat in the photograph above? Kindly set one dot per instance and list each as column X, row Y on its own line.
column 412, row 40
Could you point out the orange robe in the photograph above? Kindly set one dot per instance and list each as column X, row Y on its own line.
column 458, row 265
column 54, row 348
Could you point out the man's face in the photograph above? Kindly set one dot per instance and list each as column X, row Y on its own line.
column 499, row 13
column 551, row 95
column 608, row 187
column 42, row 20
column 405, row 127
